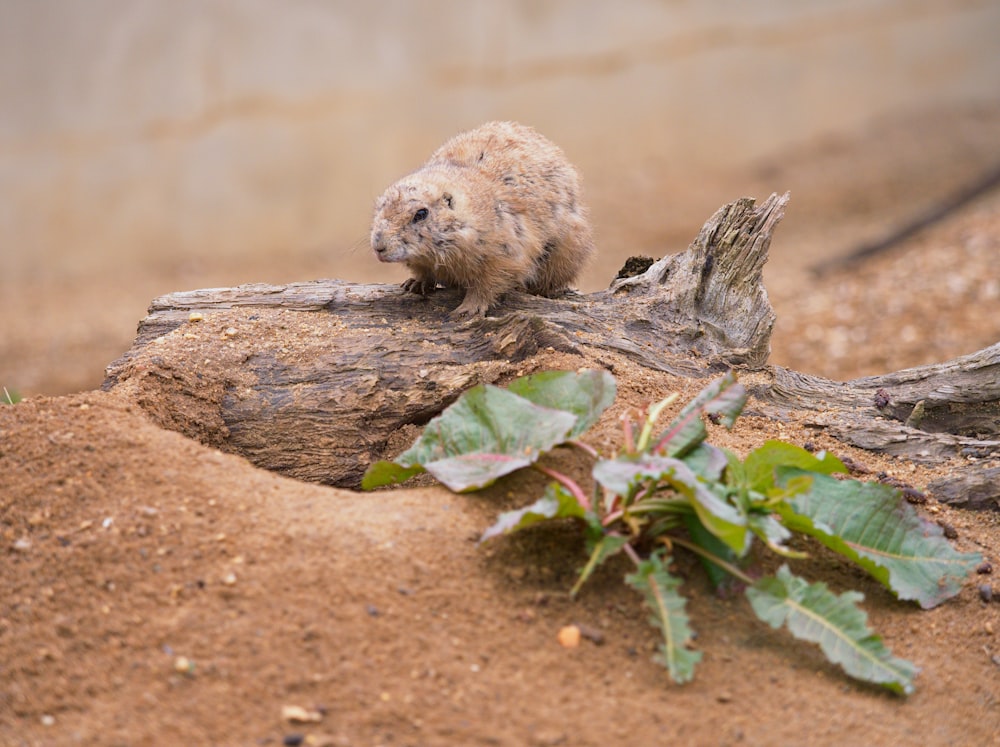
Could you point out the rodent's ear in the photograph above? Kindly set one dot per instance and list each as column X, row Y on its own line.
column 447, row 198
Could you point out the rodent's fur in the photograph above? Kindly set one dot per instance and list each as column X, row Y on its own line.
column 494, row 209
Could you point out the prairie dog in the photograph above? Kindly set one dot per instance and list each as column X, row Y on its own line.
column 495, row 209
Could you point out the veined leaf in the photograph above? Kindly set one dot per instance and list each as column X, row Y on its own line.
column 586, row 394
column 555, row 503
column 873, row 526
column 659, row 589
column 814, row 613
column 606, row 547
column 721, row 518
column 486, row 433
column 761, row 463
column 724, row 398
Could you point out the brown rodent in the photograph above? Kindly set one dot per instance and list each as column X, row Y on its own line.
column 494, row 209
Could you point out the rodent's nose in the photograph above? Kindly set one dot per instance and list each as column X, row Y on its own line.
column 378, row 242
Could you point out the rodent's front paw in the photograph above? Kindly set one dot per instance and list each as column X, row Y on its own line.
column 420, row 287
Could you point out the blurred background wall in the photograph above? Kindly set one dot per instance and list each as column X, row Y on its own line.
column 150, row 146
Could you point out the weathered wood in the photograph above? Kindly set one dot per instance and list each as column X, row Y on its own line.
column 958, row 413
column 975, row 489
column 316, row 379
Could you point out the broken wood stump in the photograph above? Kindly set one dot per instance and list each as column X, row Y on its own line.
column 315, row 379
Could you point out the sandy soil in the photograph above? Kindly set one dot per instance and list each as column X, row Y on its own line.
column 156, row 591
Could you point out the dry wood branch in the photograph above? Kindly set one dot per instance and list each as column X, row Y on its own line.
column 315, row 379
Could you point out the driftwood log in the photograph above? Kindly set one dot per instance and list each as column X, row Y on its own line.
column 314, row 379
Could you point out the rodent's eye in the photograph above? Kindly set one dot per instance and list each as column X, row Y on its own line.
column 420, row 215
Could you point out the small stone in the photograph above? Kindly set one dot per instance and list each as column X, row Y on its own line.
column 592, row 634
column 323, row 740
column 48, row 719
column 294, row 714
column 229, row 579
column 195, row 316
column 548, row 738
column 183, row 665
column 293, row 740
column 985, row 568
column 724, row 697
column 22, row 545
column 986, row 592
column 569, row 636
column 949, row 531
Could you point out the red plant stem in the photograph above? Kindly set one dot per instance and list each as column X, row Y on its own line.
column 567, row 483
column 612, row 517
column 630, row 551
column 628, row 435
column 587, row 448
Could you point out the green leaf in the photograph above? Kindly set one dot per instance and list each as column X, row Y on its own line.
column 659, row 589
column 723, row 398
column 873, row 526
column 761, row 463
column 486, row 433
column 556, row 503
column 586, row 394
column 717, row 575
column 385, row 473
column 606, row 547
column 773, row 533
column 814, row 613
column 624, row 474
column 708, row 461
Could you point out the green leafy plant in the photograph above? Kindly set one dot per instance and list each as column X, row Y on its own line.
column 670, row 490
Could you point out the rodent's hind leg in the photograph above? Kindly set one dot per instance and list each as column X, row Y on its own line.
column 473, row 306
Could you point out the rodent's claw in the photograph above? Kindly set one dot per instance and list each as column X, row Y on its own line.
column 420, row 287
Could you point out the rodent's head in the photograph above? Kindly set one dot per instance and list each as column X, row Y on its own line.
column 419, row 217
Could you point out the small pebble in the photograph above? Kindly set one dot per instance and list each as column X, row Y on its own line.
column 569, row 636
column 984, row 568
column 986, row 592
column 229, row 579
column 22, row 545
column 184, row 665
column 293, row 740
column 298, row 715
column 48, row 720
column 195, row 316
column 592, row 634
